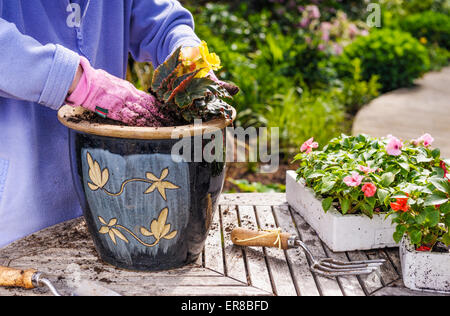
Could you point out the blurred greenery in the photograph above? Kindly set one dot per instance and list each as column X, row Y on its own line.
column 309, row 66
column 394, row 56
column 245, row 186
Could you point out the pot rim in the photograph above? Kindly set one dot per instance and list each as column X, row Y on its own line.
column 132, row 132
column 409, row 247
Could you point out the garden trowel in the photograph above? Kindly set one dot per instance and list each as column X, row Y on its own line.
column 31, row 279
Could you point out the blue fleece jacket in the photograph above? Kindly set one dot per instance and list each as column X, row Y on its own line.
column 40, row 46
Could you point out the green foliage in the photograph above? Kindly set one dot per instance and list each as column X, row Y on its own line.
column 300, row 114
column 256, row 187
column 415, row 176
column 394, row 56
column 439, row 57
column 432, row 26
column 186, row 97
column 353, row 92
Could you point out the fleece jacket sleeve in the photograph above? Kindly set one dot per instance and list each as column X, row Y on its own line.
column 34, row 72
column 158, row 28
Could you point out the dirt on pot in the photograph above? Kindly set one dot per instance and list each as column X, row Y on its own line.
column 92, row 117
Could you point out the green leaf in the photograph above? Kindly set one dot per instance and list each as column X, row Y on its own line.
column 345, row 205
column 165, row 69
column 194, row 89
column 405, row 166
column 382, row 195
column 315, row 175
column 422, row 158
column 367, row 209
column 436, row 153
column 327, row 184
column 441, row 184
column 446, row 239
column 445, row 208
column 326, row 203
column 387, row 179
column 416, row 236
column 399, row 233
column 421, row 218
column 436, row 199
column 447, row 220
column 432, row 217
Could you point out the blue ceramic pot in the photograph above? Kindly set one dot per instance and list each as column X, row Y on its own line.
column 145, row 208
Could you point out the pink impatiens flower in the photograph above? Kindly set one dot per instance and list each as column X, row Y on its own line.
column 365, row 169
column 369, row 189
column 394, row 147
column 426, row 139
column 354, row 180
column 309, row 145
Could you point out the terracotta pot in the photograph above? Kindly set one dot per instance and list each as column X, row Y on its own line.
column 146, row 209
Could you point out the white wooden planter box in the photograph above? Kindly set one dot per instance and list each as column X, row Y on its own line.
column 424, row 271
column 339, row 232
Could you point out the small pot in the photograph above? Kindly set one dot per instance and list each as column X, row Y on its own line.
column 424, row 271
column 145, row 209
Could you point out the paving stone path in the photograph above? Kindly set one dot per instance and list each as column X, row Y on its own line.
column 409, row 113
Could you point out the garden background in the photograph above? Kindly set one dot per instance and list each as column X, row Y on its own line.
column 308, row 67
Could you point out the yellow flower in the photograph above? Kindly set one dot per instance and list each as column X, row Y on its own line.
column 199, row 58
column 423, row 40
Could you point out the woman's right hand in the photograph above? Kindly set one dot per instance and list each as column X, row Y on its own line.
column 114, row 98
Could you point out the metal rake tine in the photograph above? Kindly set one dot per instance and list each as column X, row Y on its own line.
column 352, row 264
column 344, row 269
column 327, row 265
column 376, row 261
column 340, row 272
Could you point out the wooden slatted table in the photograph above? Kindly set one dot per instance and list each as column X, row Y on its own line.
column 223, row 269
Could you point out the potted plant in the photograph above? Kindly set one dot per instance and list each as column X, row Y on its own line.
column 148, row 202
column 343, row 191
column 421, row 211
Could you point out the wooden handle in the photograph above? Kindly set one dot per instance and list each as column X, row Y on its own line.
column 246, row 237
column 11, row 277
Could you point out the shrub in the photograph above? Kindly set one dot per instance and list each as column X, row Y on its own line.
column 432, row 26
column 394, row 56
column 301, row 114
column 353, row 92
column 439, row 57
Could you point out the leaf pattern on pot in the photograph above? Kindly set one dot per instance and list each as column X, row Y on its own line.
column 160, row 184
column 159, row 229
column 109, row 228
column 98, row 177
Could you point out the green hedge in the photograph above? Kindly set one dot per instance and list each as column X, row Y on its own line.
column 433, row 26
column 394, row 56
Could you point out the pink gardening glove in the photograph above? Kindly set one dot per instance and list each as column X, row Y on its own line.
column 115, row 98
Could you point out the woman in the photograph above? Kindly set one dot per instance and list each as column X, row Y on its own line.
column 50, row 51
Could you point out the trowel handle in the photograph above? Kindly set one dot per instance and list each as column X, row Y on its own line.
column 11, row 277
column 251, row 238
